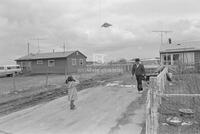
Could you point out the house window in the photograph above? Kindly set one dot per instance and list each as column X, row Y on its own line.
column 81, row 62
column 164, row 59
column 177, row 58
column 40, row 62
column 73, row 62
column 169, row 59
column 77, row 53
column 51, row 63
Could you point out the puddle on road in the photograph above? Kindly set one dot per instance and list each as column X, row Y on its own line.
column 71, row 123
column 114, row 84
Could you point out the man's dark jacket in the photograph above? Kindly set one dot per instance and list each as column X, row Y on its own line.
column 138, row 70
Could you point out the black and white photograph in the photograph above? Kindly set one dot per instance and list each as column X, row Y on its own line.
column 99, row 67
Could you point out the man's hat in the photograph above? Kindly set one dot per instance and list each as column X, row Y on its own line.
column 137, row 59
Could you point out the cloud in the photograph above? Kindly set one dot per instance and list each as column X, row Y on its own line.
column 78, row 22
column 153, row 8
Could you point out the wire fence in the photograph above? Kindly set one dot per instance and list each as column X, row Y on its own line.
column 46, row 81
column 42, row 82
column 112, row 68
column 173, row 107
column 181, row 68
column 107, row 68
column 35, row 83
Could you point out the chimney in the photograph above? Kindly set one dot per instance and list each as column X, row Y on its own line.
column 170, row 41
column 53, row 50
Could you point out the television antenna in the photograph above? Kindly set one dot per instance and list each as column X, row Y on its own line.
column 161, row 34
column 38, row 42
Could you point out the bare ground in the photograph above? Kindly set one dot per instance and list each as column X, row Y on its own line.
column 16, row 101
column 101, row 110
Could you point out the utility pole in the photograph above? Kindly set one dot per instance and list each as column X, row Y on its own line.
column 28, row 45
column 38, row 42
column 64, row 46
column 68, row 45
column 161, row 33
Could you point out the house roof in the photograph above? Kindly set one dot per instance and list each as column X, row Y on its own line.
column 47, row 55
column 181, row 47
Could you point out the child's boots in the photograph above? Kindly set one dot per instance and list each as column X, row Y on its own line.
column 72, row 106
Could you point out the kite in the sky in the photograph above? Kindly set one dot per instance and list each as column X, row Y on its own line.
column 106, row 25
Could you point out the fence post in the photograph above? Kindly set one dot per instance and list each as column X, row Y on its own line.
column 157, row 87
column 148, row 114
column 47, row 77
column 14, row 82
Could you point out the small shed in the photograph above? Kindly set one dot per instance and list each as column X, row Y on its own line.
column 54, row 63
column 187, row 53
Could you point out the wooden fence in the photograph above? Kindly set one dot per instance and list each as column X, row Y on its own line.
column 157, row 86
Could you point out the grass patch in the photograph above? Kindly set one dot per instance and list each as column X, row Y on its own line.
column 182, row 84
column 24, row 99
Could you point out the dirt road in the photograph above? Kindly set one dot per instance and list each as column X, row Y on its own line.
column 100, row 110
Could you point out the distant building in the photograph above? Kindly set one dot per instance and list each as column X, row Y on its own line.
column 55, row 62
column 187, row 53
column 91, row 63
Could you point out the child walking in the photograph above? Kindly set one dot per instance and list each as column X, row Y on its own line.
column 72, row 91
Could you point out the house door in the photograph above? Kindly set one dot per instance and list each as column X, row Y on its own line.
column 26, row 67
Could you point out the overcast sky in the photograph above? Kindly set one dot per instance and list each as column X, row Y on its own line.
column 77, row 23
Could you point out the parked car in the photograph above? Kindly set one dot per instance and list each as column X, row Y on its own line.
column 9, row 70
column 151, row 65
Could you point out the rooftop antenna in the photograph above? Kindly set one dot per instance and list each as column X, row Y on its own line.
column 64, row 46
column 38, row 42
column 28, row 48
column 161, row 34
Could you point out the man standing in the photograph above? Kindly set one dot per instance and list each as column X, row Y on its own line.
column 139, row 71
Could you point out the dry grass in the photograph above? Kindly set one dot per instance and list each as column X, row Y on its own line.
column 34, row 82
column 27, row 98
column 183, row 83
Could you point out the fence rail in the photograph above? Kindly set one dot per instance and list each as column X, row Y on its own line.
column 157, row 85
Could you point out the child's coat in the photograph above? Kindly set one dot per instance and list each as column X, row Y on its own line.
column 72, row 91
